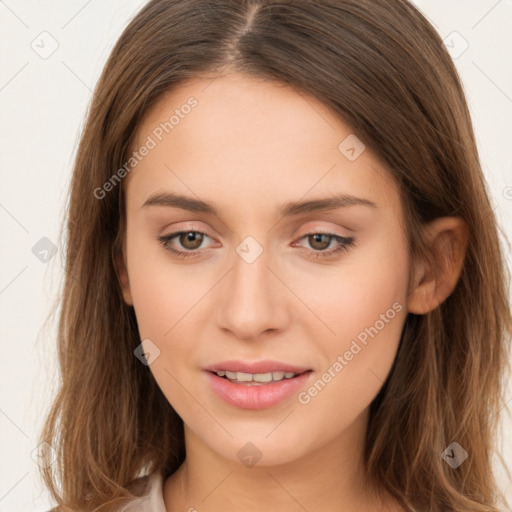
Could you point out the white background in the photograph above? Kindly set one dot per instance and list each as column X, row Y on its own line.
column 43, row 104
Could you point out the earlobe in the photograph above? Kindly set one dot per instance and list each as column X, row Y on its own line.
column 435, row 279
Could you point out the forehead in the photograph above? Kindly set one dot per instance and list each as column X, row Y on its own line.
column 263, row 140
column 245, row 108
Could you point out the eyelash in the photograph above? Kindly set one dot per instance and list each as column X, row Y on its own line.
column 345, row 243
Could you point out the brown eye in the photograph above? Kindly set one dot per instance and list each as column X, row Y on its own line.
column 319, row 241
column 191, row 239
column 184, row 244
column 318, row 244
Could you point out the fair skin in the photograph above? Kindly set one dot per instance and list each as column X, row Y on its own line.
column 249, row 147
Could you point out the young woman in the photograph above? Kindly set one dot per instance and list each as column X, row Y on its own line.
column 284, row 284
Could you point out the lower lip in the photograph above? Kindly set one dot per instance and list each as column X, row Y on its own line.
column 257, row 396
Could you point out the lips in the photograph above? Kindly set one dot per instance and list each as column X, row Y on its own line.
column 256, row 384
column 257, row 395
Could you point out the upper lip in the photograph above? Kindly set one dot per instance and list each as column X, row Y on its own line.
column 264, row 366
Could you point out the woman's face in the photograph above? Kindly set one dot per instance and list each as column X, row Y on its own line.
column 265, row 285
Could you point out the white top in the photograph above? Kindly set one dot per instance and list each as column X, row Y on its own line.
column 152, row 501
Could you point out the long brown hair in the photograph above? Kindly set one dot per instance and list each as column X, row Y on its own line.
column 383, row 69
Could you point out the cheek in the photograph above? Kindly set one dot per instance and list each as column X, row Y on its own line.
column 163, row 292
column 361, row 289
column 167, row 303
column 358, row 362
column 365, row 309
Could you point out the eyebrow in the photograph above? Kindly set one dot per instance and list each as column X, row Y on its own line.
column 292, row 208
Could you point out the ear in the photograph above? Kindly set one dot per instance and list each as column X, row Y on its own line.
column 436, row 278
column 122, row 273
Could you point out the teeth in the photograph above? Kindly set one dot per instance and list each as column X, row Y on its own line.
column 256, row 377
column 262, row 377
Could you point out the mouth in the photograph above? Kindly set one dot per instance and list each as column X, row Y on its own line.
column 257, row 385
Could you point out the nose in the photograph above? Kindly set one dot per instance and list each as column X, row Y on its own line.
column 252, row 300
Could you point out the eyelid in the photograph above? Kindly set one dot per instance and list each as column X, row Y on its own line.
column 325, row 231
column 319, row 225
column 177, row 227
